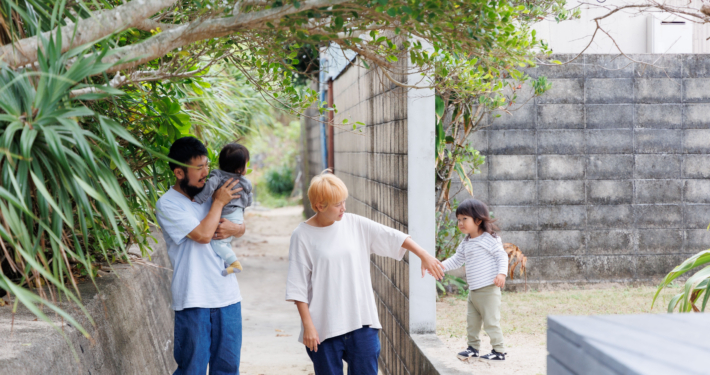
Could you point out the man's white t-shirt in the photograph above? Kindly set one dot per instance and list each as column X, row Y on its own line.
column 197, row 269
column 329, row 269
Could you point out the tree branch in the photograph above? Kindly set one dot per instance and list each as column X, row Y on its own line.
column 166, row 41
column 87, row 30
column 136, row 77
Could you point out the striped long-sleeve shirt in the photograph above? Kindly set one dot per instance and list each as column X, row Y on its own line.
column 484, row 258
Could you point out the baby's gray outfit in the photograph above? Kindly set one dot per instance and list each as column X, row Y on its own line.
column 217, row 178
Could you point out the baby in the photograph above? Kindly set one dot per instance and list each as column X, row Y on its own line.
column 233, row 161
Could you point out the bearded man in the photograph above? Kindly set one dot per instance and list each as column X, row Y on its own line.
column 208, row 317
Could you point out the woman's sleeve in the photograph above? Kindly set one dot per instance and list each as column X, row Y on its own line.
column 383, row 240
column 298, row 281
column 455, row 261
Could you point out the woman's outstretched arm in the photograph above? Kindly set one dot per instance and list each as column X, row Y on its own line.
column 310, row 334
column 429, row 263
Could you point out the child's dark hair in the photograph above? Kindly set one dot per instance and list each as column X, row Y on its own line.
column 478, row 210
column 233, row 158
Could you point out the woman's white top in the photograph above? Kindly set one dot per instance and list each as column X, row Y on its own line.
column 329, row 269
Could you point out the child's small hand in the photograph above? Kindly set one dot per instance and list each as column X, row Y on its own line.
column 499, row 281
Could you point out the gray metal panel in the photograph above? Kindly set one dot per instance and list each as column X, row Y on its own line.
column 699, row 321
column 667, row 326
column 573, row 357
column 556, row 368
column 639, row 344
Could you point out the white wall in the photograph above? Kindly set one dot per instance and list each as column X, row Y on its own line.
column 627, row 28
column 421, row 198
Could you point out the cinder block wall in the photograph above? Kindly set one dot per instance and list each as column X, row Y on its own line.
column 373, row 164
column 604, row 178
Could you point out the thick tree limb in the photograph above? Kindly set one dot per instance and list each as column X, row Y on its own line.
column 88, row 30
column 161, row 44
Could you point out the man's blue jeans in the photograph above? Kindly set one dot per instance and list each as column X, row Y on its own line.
column 208, row 336
column 359, row 348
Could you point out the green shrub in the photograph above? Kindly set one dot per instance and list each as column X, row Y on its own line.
column 452, row 285
column 279, row 180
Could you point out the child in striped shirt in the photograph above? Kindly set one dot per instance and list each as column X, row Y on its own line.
column 486, row 268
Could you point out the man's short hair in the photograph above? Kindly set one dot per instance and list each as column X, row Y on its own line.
column 184, row 150
column 233, row 158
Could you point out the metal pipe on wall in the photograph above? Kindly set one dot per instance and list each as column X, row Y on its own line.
column 330, row 131
column 322, row 87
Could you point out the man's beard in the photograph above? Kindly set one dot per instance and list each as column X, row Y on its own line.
column 188, row 189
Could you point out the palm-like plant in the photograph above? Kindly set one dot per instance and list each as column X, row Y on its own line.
column 696, row 287
column 60, row 198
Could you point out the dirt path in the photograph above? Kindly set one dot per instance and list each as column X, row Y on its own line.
column 270, row 324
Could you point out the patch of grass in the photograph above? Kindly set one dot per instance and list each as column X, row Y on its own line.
column 527, row 312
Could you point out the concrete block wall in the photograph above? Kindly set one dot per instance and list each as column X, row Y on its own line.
column 604, row 177
column 373, row 164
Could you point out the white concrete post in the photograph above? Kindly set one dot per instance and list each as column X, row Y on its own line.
column 421, row 202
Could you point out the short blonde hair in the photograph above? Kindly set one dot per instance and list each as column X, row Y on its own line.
column 326, row 189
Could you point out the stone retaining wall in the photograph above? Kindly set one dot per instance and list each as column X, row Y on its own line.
column 133, row 332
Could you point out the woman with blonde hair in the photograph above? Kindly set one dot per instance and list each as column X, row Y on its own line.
column 329, row 279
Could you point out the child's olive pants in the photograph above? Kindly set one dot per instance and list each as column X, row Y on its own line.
column 484, row 309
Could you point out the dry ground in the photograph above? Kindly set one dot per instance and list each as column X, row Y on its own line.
column 270, row 324
column 524, row 321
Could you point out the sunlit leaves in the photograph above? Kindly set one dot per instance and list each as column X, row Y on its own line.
column 64, row 201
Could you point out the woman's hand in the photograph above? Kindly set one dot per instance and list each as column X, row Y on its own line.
column 310, row 337
column 432, row 266
column 429, row 263
column 225, row 194
column 499, row 281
